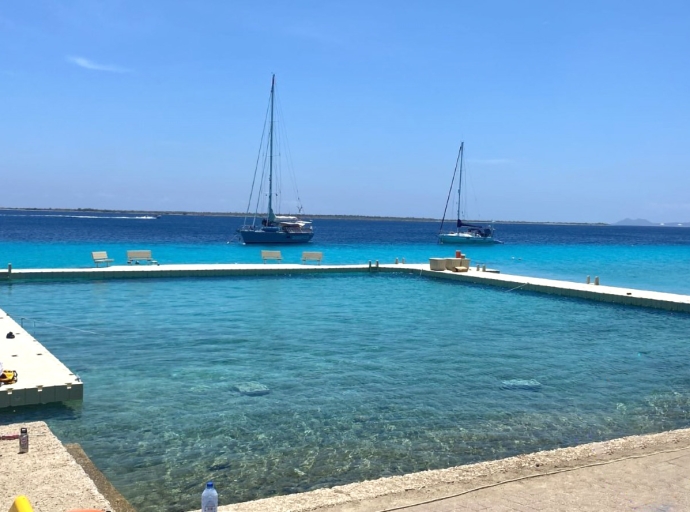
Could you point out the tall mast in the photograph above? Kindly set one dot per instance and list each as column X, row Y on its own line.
column 462, row 153
column 271, row 216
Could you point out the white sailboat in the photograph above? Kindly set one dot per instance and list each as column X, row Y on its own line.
column 274, row 229
column 464, row 233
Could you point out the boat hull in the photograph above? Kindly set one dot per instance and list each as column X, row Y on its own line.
column 274, row 237
column 461, row 238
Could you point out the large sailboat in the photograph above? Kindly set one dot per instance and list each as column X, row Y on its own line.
column 272, row 228
column 464, row 232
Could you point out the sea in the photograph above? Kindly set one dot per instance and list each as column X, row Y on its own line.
column 285, row 384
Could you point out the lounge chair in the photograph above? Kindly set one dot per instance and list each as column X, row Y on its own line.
column 312, row 256
column 271, row 255
column 101, row 257
column 137, row 257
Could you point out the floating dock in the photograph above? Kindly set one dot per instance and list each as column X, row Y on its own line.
column 612, row 294
column 616, row 295
column 42, row 377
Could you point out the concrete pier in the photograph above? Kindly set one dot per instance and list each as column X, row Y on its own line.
column 617, row 295
column 42, row 377
column 179, row 270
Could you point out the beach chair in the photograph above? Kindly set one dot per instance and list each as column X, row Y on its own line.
column 139, row 256
column 101, row 257
column 312, row 256
column 271, row 255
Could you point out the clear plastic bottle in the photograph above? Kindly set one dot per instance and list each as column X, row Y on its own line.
column 209, row 499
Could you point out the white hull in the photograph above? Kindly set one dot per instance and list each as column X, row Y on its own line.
column 466, row 238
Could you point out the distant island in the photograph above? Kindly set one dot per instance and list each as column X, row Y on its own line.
column 645, row 222
column 304, row 215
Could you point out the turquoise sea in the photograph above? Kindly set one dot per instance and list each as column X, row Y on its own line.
column 367, row 375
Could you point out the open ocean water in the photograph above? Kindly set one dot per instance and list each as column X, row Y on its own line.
column 367, row 375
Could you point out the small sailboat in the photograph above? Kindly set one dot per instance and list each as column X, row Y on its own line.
column 464, row 233
column 272, row 228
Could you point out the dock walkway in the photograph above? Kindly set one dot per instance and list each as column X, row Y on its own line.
column 617, row 295
column 42, row 377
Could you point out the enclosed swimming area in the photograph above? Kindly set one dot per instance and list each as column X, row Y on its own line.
column 281, row 384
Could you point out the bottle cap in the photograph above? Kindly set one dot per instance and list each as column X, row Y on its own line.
column 22, row 430
column 209, row 485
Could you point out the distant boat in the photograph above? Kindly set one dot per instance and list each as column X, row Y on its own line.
column 273, row 229
column 464, row 233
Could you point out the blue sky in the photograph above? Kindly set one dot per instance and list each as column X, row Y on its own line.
column 570, row 111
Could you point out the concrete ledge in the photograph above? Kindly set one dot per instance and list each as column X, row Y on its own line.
column 47, row 474
column 120, row 504
column 408, row 490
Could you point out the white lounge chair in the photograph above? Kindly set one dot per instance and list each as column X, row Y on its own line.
column 312, row 256
column 271, row 255
column 137, row 257
column 101, row 257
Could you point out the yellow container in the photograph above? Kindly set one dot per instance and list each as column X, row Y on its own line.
column 21, row 504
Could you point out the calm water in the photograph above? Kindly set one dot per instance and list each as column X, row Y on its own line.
column 637, row 257
column 369, row 375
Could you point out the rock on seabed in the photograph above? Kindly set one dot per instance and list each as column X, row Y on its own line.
column 529, row 385
column 252, row 389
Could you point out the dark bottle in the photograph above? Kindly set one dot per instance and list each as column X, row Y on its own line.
column 23, row 440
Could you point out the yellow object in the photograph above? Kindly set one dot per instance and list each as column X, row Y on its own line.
column 8, row 377
column 21, row 504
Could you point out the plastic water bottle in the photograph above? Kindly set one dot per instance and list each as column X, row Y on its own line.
column 23, row 440
column 209, row 499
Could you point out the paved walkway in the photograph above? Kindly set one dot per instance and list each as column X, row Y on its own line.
column 657, row 483
column 639, row 473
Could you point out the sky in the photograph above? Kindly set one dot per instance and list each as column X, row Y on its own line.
column 569, row 111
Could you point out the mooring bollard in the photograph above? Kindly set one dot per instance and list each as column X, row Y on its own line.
column 9, row 268
column 396, row 261
column 377, row 263
column 403, row 261
column 369, row 264
column 588, row 280
column 477, row 266
column 596, row 280
column 484, row 267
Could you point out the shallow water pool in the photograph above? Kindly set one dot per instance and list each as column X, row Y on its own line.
column 367, row 376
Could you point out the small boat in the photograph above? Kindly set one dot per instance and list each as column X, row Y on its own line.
column 273, row 229
column 465, row 233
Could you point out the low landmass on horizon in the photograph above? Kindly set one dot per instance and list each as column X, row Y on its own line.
column 333, row 216
column 645, row 222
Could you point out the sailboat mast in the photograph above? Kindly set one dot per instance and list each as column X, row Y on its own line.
column 462, row 153
column 271, row 216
